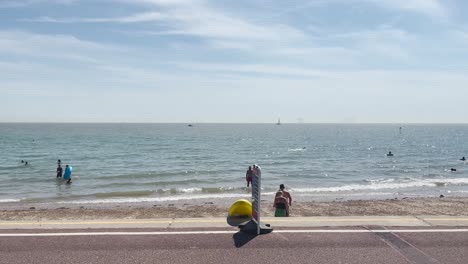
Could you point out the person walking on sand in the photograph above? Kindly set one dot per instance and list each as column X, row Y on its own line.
column 281, row 205
column 249, row 176
column 286, row 194
column 59, row 171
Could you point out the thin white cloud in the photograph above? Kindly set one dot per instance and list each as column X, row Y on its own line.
column 216, row 28
column 208, row 24
column 65, row 47
column 384, row 41
column 164, row 2
column 432, row 8
column 193, row 18
column 281, row 70
column 25, row 3
column 428, row 7
column 136, row 18
column 463, row 35
column 226, row 44
column 231, row 31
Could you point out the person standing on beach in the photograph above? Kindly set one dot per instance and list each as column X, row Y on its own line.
column 286, row 194
column 59, row 171
column 249, row 176
column 281, row 205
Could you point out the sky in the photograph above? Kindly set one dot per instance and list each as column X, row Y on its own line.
column 244, row 61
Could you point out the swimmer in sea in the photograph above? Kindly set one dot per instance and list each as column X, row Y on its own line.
column 249, row 176
column 463, row 159
column 390, row 154
column 59, row 171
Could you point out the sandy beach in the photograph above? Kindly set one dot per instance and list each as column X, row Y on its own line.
column 452, row 206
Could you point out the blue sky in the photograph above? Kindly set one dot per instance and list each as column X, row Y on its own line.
column 370, row 61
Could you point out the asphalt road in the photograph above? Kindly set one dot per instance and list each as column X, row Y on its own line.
column 281, row 246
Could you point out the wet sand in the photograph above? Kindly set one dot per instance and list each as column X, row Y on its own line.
column 453, row 206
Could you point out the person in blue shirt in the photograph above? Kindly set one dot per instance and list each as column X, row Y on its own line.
column 67, row 174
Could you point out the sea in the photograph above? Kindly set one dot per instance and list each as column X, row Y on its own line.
column 124, row 162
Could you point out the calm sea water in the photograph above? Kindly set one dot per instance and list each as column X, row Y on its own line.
column 162, row 162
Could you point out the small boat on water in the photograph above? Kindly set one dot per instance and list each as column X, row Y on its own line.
column 279, row 122
column 190, row 125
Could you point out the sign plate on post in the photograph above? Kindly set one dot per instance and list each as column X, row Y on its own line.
column 256, row 193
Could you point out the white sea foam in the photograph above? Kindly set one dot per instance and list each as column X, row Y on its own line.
column 157, row 199
column 297, row 149
column 382, row 185
column 9, row 200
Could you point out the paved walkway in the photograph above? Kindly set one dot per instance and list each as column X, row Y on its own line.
column 292, row 222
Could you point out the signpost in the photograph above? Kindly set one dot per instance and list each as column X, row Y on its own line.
column 256, row 193
column 255, row 226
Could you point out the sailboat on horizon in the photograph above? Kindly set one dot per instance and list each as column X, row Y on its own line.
column 279, row 122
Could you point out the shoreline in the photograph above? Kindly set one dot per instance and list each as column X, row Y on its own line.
column 448, row 206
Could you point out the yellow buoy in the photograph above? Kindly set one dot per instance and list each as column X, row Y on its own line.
column 241, row 208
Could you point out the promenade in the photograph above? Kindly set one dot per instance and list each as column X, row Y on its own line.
column 391, row 239
column 291, row 222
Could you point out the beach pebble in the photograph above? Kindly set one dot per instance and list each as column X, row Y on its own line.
column 441, row 196
column 32, row 208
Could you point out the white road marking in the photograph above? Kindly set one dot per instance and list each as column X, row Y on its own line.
column 231, row 232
